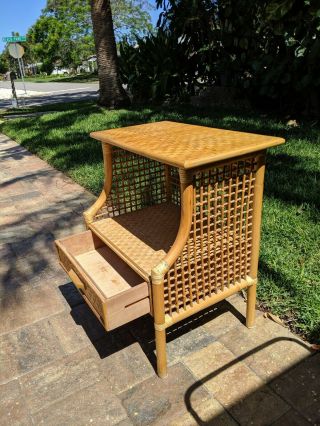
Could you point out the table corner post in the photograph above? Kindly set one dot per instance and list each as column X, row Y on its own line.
column 256, row 231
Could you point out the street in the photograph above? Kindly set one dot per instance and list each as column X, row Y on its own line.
column 47, row 93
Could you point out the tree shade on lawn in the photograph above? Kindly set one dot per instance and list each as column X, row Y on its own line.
column 112, row 94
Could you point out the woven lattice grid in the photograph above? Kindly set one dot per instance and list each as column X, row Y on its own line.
column 137, row 182
column 218, row 251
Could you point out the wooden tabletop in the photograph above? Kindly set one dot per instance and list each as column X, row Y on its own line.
column 185, row 145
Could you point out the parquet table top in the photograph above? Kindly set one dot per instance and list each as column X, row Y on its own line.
column 185, row 145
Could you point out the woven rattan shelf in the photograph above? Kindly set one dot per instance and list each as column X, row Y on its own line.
column 139, row 237
column 176, row 227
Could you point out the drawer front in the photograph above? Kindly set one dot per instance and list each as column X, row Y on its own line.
column 88, row 291
column 129, row 313
column 113, row 311
column 96, row 302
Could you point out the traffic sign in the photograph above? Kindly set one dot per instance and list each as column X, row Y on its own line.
column 14, row 39
column 16, row 50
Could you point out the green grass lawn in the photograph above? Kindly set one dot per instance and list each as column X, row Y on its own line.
column 85, row 78
column 290, row 251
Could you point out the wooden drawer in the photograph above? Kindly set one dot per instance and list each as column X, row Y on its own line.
column 114, row 292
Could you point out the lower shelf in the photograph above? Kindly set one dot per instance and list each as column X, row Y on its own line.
column 142, row 238
column 114, row 292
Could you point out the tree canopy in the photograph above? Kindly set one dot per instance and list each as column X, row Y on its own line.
column 63, row 32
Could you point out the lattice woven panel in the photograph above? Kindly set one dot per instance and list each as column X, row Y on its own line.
column 137, row 182
column 218, row 251
column 175, row 195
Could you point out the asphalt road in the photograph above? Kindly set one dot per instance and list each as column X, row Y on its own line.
column 49, row 93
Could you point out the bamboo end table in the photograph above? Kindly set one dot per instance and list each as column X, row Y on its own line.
column 176, row 227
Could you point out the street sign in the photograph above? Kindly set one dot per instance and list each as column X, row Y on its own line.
column 14, row 39
column 16, row 50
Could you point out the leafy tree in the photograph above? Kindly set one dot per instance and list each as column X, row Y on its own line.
column 4, row 62
column 45, row 40
column 63, row 32
column 131, row 18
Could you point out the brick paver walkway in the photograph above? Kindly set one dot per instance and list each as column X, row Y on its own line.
column 59, row 367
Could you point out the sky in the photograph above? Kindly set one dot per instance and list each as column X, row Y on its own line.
column 19, row 15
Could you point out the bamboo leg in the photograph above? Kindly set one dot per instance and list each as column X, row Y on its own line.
column 251, row 305
column 158, row 272
column 256, row 224
column 157, row 276
column 161, row 353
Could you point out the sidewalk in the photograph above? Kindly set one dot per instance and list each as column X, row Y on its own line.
column 59, row 367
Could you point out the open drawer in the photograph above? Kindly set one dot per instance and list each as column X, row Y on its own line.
column 114, row 292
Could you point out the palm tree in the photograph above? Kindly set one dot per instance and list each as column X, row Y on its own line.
column 112, row 94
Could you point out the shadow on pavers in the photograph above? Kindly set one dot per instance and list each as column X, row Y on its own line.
column 252, row 409
column 301, row 397
column 27, row 243
column 140, row 330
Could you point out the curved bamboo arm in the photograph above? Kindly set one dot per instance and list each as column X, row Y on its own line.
column 163, row 267
column 90, row 213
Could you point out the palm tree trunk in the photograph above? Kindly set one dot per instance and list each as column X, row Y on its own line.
column 112, row 94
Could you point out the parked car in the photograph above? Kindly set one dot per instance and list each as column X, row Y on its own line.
column 60, row 71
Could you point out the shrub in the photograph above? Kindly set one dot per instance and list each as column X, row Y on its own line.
column 157, row 68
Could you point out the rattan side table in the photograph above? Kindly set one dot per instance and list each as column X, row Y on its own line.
column 176, row 227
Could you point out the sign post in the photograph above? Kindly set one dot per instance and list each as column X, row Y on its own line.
column 15, row 102
column 17, row 51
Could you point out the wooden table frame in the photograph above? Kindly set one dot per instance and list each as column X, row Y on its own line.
column 216, row 249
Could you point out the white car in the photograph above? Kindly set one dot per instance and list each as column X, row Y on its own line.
column 60, row 71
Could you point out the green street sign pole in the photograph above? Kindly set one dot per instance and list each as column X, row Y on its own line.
column 21, row 69
column 15, row 39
